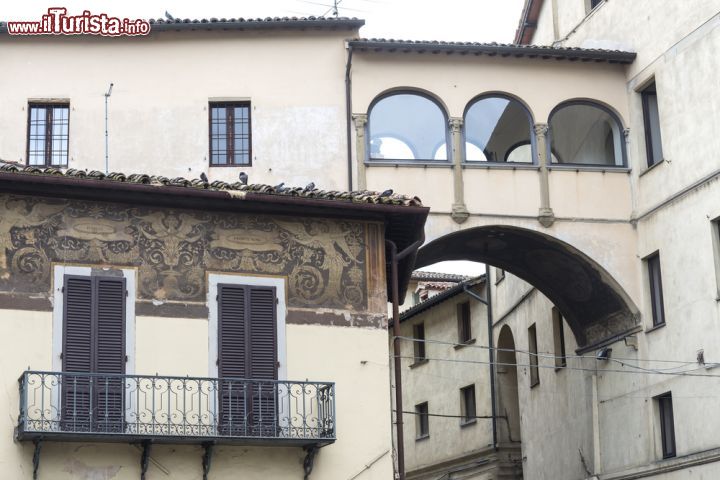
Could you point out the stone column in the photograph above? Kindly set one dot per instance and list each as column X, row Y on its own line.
column 546, row 217
column 459, row 210
column 360, row 149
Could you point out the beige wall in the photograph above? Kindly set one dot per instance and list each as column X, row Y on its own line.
column 358, row 364
column 439, row 384
column 158, row 111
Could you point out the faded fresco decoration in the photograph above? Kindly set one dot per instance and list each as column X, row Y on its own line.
column 323, row 259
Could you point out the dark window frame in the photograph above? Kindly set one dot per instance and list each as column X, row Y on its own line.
column 230, row 133
column 468, row 405
column 531, row 120
column 550, row 151
column 49, row 119
column 667, row 425
column 533, row 357
column 650, row 90
column 419, row 351
column 422, row 425
column 657, row 302
column 464, row 322
column 416, row 161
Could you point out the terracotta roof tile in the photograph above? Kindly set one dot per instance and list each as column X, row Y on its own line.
column 360, row 196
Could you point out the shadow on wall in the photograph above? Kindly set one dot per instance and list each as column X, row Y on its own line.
column 596, row 308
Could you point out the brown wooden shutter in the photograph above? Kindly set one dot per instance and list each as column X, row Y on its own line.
column 93, row 343
column 247, row 348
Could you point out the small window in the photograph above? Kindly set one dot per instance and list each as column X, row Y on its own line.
column 594, row 3
column 667, row 424
column 407, row 126
column 230, row 137
column 559, row 337
column 532, row 344
column 584, row 133
column 467, row 404
column 48, row 134
column 499, row 275
column 419, row 343
column 416, row 297
column 422, row 424
column 651, row 117
column 464, row 323
column 656, row 293
column 495, row 129
column 715, row 231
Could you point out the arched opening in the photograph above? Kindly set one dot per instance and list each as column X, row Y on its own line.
column 495, row 125
column 507, row 393
column 407, row 126
column 593, row 304
column 584, row 133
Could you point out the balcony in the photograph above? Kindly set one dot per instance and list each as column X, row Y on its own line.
column 156, row 409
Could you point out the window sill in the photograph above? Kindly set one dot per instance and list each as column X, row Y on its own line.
column 469, row 423
column 652, row 167
column 464, row 344
column 560, row 368
column 417, row 363
column 499, row 280
column 408, row 163
column 422, row 437
column 589, row 168
column 533, row 385
column 500, row 165
column 655, row 327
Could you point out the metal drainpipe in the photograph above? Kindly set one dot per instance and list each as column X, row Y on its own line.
column 348, row 115
column 491, row 351
column 395, row 257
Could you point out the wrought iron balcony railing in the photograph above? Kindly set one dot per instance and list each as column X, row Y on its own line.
column 84, row 406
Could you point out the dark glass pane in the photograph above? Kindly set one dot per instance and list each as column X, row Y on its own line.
column 407, row 127
column 494, row 129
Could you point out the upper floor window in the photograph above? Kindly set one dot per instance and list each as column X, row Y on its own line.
column 48, row 134
column 230, row 138
column 533, row 356
column 464, row 322
column 407, row 126
column 656, row 292
column 559, row 339
column 667, row 424
column 498, row 129
column 583, row 133
column 422, row 423
column 467, row 405
column 651, row 118
column 419, row 343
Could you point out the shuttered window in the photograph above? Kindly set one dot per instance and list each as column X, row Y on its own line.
column 247, row 362
column 93, row 343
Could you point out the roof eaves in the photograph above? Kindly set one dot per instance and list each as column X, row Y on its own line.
column 493, row 49
column 440, row 297
column 528, row 22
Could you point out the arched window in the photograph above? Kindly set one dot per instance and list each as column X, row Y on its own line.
column 407, row 126
column 583, row 133
column 498, row 129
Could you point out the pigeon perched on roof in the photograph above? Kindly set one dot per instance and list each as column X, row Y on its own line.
column 280, row 187
column 310, row 187
column 203, row 177
column 243, row 178
column 386, row 193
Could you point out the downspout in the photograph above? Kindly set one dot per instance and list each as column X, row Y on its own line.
column 491, row 351
column 395, row 257
column 348, row 114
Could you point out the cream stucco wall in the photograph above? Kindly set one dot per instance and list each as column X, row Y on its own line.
column 356, row 359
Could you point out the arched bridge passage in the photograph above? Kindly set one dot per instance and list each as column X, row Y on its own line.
column 594, row 305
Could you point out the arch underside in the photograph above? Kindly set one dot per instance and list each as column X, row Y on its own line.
column 591, row 301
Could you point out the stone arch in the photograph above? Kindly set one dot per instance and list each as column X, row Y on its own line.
column 595, row 306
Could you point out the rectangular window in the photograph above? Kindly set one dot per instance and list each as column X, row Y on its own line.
column 464, row 324
column 715, row 232
column 651, row 117
column 247, row 350
column 93, row 343
column 467, row 404
column 656, row 293
column 499, row 275
column 230, row 136
column 594, row 3
column 48, row 134
column 419, row 343
column 532, row 346
column 422, row 424
column 667, row 424
column 559, row 337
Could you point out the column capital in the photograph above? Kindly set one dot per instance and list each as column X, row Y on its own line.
column 541, row 129
column 455, row 124
column 360, row 120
